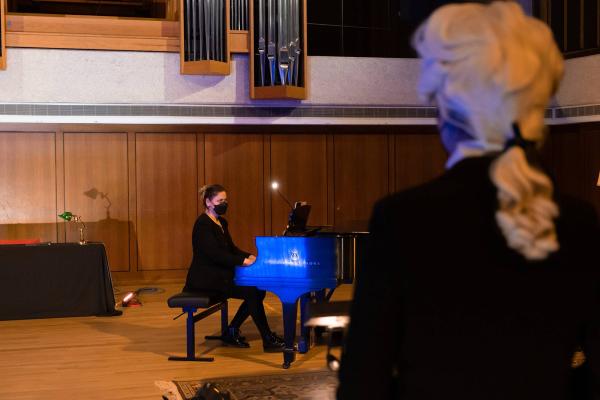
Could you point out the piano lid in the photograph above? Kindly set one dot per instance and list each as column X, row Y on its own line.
column 291, row 261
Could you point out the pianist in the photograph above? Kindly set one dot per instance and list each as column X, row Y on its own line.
column 212, row 269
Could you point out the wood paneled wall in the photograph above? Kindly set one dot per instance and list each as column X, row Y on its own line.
column 137, row 187
column 28, row 185
column 303, row 167
column 166, row 185
column 96, row 186
column 572, row 155
column 237, row 161
column 361, row 176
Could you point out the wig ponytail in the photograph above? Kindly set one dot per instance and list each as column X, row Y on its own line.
column 526, row 209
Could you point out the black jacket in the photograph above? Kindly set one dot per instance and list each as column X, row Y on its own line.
column 215, row 257
column 443, row 309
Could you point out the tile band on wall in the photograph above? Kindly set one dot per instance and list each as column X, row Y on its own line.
column 102, row 113
column 146, row 110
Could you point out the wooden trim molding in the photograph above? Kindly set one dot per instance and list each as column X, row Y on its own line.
column 90, row 42
column 101, row 33
column 91, row 32
column 238, row 42
column 96, row 25
column 2, row 34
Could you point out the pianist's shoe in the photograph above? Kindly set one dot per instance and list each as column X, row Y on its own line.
column 273, row 343
column 277, row 338
column 234, row 339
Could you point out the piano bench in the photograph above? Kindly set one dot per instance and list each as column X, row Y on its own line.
column 190, row 302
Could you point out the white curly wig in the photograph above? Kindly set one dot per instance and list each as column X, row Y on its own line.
column 494, row 66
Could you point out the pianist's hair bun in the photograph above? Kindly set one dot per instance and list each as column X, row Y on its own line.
column 210, row 191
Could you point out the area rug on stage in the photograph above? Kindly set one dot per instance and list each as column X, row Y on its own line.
column 314, row 385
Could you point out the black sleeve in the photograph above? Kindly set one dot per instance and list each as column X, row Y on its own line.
column 590, row 236
column 236, row 250
column 580, row 224
column 371, row 345
column 591, row 348
column 206, row 242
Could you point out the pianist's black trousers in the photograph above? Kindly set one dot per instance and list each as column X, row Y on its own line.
column 252, row 306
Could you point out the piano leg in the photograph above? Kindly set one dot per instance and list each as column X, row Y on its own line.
column 309, row 336
column 304, row 342
column 290, row 312
column 321, row 296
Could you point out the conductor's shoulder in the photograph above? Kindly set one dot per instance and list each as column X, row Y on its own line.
column 413, row 198
column 577, row 215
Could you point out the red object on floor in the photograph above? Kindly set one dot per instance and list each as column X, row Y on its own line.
column 20, row 241
column 132, row 303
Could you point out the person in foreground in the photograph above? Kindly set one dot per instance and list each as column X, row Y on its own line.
column 495, row 281
column 213, row 267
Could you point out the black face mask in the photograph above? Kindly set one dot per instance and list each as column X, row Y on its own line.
column 221, row 209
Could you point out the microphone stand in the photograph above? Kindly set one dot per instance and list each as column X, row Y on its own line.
column 291, row 211
column 285, row 199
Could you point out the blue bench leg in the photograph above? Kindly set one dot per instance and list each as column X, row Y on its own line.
column 224, row 319
column 190, row 340
column 224, row 323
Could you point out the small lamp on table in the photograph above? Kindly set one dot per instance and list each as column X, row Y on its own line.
column 70, row 217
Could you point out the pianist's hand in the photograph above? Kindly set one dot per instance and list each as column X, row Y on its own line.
column 249, row 260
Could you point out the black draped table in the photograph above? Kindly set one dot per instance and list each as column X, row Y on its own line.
column 55, row 280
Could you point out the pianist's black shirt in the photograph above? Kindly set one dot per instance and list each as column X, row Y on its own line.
column 444, row 310
column 215, row 256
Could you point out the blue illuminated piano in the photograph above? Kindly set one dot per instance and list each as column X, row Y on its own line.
column 293, row 267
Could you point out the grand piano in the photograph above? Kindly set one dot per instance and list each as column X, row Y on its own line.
column 301, row 268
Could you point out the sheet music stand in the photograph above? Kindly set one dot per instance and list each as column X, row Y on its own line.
column 298, row 219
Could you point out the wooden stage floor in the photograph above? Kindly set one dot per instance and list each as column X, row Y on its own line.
column 112, row 358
